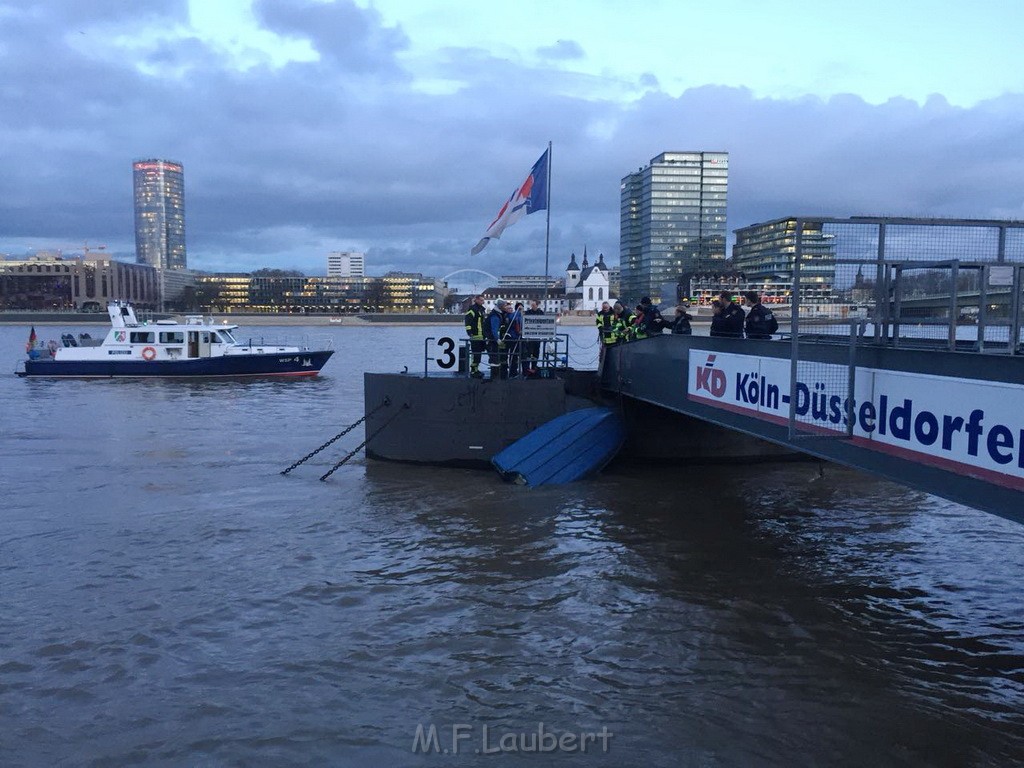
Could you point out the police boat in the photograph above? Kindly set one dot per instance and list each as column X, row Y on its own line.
column 194, row 348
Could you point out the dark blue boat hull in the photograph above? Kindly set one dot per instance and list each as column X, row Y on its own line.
column 567, row 448
column 298, row 364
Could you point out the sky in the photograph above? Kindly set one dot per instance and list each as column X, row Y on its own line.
column 399, row 127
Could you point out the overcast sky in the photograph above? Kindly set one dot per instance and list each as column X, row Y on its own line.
column 398, row 127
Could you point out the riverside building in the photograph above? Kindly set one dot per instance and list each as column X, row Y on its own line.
column 767, row 252
column 672, row 221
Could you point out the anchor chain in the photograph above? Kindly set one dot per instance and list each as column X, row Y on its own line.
column 360, row 447
column 308, row 456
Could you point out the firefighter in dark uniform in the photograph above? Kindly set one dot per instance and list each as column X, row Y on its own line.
column 475, row 319
column 494, row 332
column 605, row 320
column 624, row 322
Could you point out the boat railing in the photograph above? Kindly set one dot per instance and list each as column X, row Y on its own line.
column 315, row 343
column 455, row 357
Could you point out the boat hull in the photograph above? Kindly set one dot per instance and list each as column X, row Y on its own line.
column 293, row 364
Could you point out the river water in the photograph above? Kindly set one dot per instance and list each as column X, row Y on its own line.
column 168, row 598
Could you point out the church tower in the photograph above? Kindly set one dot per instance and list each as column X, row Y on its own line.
column 572, row 274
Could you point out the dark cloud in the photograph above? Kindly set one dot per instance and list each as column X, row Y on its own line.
column 342, row 33
column 563, row 50
column 285, row 164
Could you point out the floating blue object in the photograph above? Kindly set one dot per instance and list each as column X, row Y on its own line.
column 567, row 448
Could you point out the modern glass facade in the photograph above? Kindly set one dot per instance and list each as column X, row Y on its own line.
column 672, row 221
column 767, row 251
column 159, row 213
column 395, row 292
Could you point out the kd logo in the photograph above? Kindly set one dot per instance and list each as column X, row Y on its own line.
column 711, row 380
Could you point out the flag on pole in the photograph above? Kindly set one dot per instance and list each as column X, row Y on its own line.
column 31, row 343
column 530, row 196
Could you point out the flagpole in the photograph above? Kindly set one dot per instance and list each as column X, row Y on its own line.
column 547, row 236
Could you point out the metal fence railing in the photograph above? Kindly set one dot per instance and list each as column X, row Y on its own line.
column 906, row 283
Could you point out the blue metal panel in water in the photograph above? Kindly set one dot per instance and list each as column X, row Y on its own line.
column 565, row 449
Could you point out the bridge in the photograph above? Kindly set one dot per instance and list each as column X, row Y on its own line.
column 937, row 406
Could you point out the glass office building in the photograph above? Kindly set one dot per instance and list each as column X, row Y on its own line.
column 767, row 251
column 159, row 214
column 672, row 221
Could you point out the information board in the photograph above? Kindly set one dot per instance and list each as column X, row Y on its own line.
column 539, row 326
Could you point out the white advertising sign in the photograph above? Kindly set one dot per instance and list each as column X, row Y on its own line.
column 968, row 426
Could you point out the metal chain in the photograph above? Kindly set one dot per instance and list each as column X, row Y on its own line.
column 360, row 447
column 308, row 456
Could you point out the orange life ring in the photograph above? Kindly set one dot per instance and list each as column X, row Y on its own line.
column 148, row 353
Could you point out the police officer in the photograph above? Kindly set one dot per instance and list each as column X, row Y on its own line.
column 731, row 318
column 605, row 320
column 761, row 323
column 494, row 332
column 652, row 322
column 475, row 319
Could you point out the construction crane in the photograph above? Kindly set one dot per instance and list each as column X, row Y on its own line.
column 84, row 247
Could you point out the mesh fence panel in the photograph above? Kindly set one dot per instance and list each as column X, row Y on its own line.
column 927, row 284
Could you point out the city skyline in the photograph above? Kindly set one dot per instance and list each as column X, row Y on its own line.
column 312, row 127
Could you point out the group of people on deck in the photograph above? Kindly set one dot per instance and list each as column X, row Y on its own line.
column 500, row 333
column 616, row 324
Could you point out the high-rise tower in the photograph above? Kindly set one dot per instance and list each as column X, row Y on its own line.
column 672, row 221
column 159, row 213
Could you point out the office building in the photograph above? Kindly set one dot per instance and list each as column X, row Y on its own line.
column 346, row 264
column 672, row 221
column 51, row 282
column 159, row 213
column 767, row 251
column 298, row 294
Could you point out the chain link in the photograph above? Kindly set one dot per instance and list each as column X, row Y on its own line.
column 308, row 456
column 360, row 447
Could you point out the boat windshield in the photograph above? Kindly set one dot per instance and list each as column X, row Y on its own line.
column 226, row 336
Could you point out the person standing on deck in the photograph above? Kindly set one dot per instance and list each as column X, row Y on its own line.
column 732, row 317
column 494, row 331
column 531, row 348
column 761, row 322
column 475, row 319
column 605, row 320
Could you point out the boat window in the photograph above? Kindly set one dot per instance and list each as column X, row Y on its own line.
column 172, row 337
column 215, row 338
column 226, row 335
column 141, row 337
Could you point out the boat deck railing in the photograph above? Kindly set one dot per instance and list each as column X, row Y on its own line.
column 319, row 343
column 453, row 356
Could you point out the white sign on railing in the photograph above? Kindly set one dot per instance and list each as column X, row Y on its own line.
column 539, row 326
column 1000, row 276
